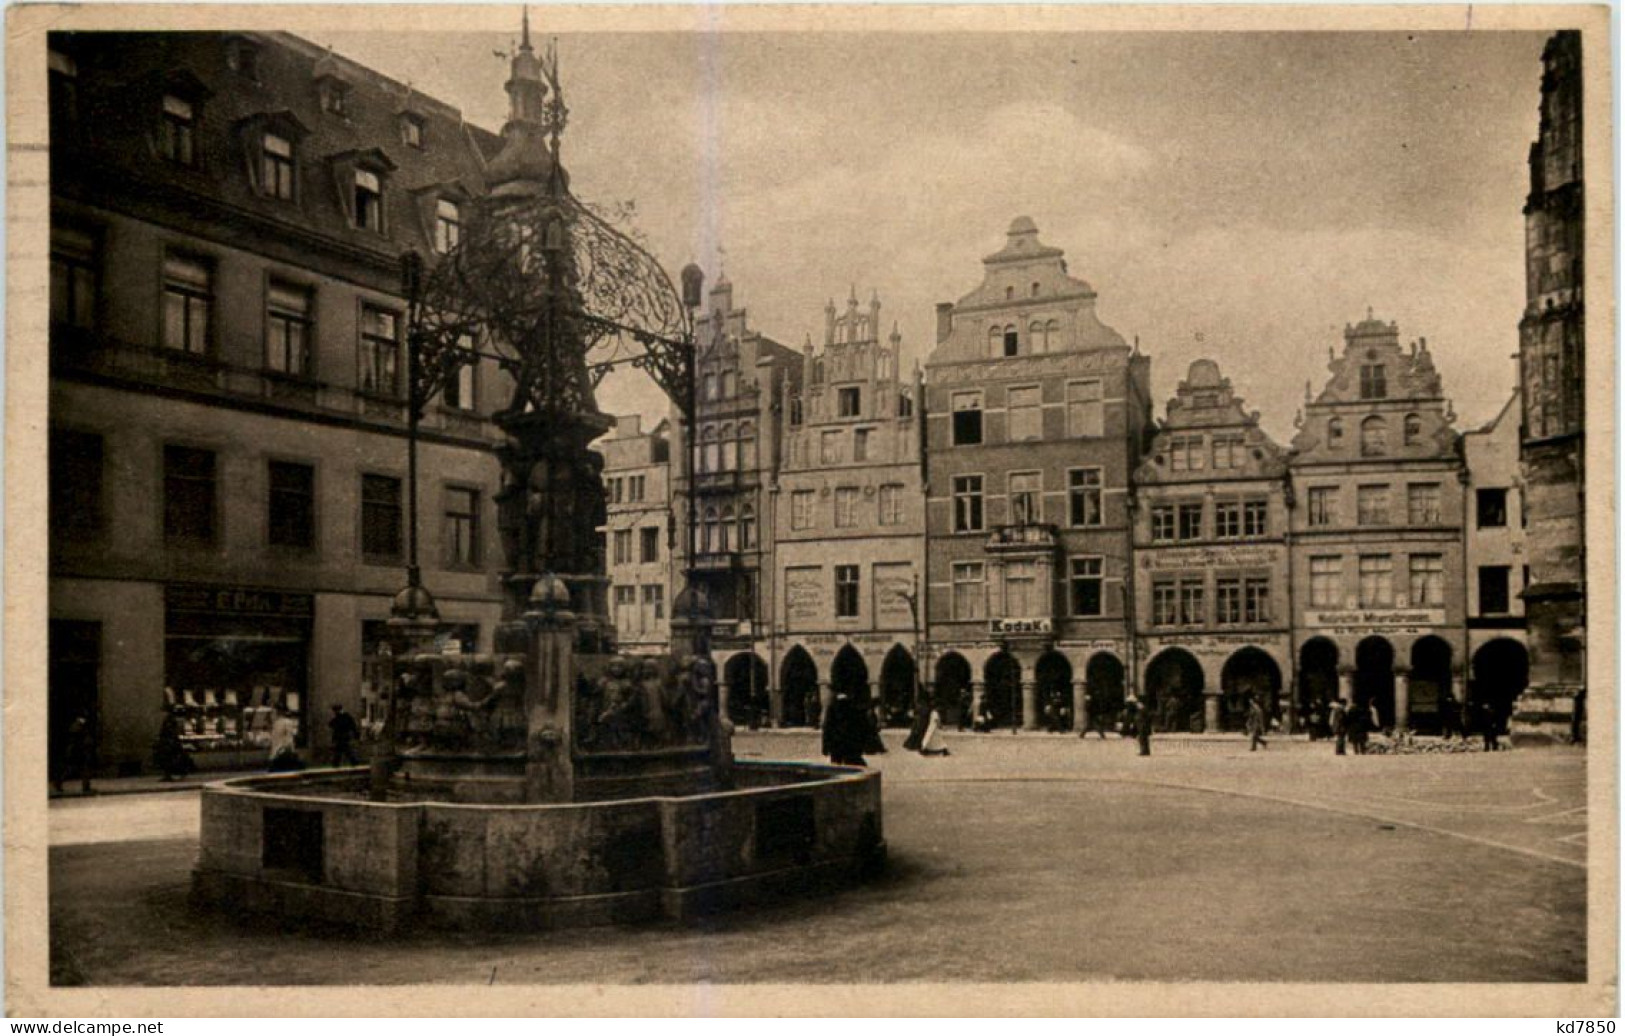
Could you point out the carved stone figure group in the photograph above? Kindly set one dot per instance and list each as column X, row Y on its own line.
column 646, row 702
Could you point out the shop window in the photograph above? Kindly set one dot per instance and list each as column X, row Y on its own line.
column 381, row 517
column 1087, row 589
column 75, row 278
column 75, row 469
column 291, row 505
column 846, row 591
column 1492, row 508
column 188, row 302
column 189, row 495
column 380, row 351
column 287, row 329
column 967, row 418
column 462, row 527
column 968, row 503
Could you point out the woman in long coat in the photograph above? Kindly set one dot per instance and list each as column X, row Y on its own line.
column 845, row 732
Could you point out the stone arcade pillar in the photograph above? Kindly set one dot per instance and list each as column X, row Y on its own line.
column 977, row 689
column 549, row 680
column 1345, row 684
column 1029, row 705
column 1080, row 705
column 826, row 694
column 1210, row 713
column 1402, row 698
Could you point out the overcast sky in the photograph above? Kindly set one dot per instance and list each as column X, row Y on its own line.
column 1240, row 196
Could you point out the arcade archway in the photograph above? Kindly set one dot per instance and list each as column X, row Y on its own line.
column 1173, row 690
column 1317, row 684
column 1430, row 684
column 898, row 677
column 746, row 677
column 849, row 674
column 1052, row 675
column 1247, row 675
column 952, row 692
column 1001, row 690
column 1500, row 674
column 1374, row 678
column 1103, row 682
column 798, row 689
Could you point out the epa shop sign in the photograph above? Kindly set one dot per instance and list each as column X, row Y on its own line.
column 1363, row 620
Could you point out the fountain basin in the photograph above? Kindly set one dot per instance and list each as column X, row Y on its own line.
column 311, row 846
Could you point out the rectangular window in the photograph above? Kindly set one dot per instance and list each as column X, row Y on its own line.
column 1227, row 519
column 1376, row 581
column 1373, row 381
column 380, row 351
column 1191, row 609
column 462, row 527
column 411, row 131
column 654, row 600
column 1026, row 414
column 1083, row 497
column 649, row 544
column 1427, row 580
column 1422, row 503
column 1255, row 517
column 848, row 401
column 458, row 391
column 1026, row 507
column 1012, row 343
column 287, row 328
column 846, row 507
column 968, row 595
column 623, row 546
column 381, row 517
column 1227, row 602
column 448, row 225
column 967, row 418
column 1494, row 589
column 369, row 200
column 1021, row 600
column 1492, row 508
column 1371, row 504
column 1162, row 523
column 1255, row 600
column 291, row 517
column 626, row 609
column 188, row 299
column 860, row 444
column 1326, row 582
column 1085, row 409
column 801, row 509
column 846, row 591
column 1187, row 453
column 636, row 487
column 830, row 448
column 968, row 503
column 1322, row 505
column 1087, row 582
column 1190, row 521
column 73, row 278
column 1229, row 452
column 75, row 474
column 891, row 504
column 176, row 131
column 189, row 495
column 1164, row 603
column 276, row 166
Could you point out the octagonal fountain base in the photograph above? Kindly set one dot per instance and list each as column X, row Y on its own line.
column 312, row 846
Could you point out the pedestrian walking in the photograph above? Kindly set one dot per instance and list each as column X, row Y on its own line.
column 916, row 730
column 845, row 731
column 78, row 751
column 1143, row 730
column 344, row 732
column 1490, row 726
column 1257, row 726
column 931, row 743
column 1449, row 716
column 1359, row 726
column 871, row 733
column 169, row 751
column 1340, row 726
column 284, row 755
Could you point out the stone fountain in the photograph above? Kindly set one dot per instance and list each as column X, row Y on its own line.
column 553, row 781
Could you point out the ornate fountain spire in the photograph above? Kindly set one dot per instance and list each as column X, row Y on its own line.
column 530, row 138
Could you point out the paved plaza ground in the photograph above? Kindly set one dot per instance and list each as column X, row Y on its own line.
column 1019, row 857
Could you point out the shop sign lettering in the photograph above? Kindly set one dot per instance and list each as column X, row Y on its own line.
column 1373, row 618
column 1209, row 557
column 1017, row 627
column 226, row 600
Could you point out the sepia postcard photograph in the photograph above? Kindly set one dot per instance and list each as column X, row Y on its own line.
column 810, row 510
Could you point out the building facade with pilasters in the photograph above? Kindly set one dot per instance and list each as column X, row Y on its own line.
column 1378, row 577
column 848, row 509
column 638, row 532
column 1036, row 415
column 1211, row 591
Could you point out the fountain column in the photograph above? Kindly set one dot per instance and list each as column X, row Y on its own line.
column 549, row 680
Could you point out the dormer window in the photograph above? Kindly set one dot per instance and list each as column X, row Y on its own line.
column 176, row 131
column 243, row 57
column 276, row 166
column 448, row 225
column 335, row 96
column 369, row 200
column 411, row 131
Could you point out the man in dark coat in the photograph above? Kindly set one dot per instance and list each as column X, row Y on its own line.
column 1490, row 725
column 845, row 731
column 170, row 751
column 1340, row 725
column 922, row 719
column 1142, row 729
column 344, row 731
column 1359, row 726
